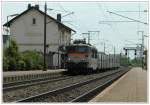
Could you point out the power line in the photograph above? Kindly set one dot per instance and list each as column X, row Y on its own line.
column 62, row 7
column 105, row 16
column 127, row 17
column 116, row 27
column 68, row 14
column 115, row 21
column 144, row 11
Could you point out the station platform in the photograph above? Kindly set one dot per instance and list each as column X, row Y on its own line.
column 19, row 73
column 14, row 76
column 132, row 87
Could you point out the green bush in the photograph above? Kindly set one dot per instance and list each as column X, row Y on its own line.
column 33, row 60
column 21, row 65
column 12, row 64
column 39, row 67
column 5, row 63
column 28, row 60
column 11, row 56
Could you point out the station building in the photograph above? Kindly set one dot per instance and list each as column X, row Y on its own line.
column 27, row 29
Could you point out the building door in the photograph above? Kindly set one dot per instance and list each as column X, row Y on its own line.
column 62, row 61
column 50, row 61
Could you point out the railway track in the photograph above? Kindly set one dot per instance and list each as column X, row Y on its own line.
column 17, row 94
column 78, row 92
column 23, row 84
column 90, row 94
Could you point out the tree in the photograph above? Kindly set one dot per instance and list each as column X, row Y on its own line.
column 5, row 61
column 124, row 61
column 12, row 54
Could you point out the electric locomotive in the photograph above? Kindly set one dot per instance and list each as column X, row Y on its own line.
column 81, row 57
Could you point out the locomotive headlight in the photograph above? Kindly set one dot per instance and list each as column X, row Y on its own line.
column 69, row 59
column 84, row 59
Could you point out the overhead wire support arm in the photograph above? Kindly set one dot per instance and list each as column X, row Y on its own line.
column 68, row 14
column 127, row 17
column 62, row 17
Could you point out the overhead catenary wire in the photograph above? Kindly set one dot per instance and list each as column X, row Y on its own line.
column 144, row 11
column 115, row 30
column 102, row 11
column 126, row 17
column 139, row 12
column 62, row 7
column 114, row 21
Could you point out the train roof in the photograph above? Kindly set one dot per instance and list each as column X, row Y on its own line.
column 102, row 53
column 88, row 45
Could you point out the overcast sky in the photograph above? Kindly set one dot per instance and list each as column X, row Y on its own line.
column 88, row 16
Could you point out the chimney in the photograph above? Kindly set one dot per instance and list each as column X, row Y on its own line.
column 59, row 17
column 37, row 6
column 29, row 6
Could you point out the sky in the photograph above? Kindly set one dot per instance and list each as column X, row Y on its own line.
column 90, row 16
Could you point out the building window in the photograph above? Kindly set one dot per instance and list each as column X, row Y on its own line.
column 33, row 21
column 63, row 36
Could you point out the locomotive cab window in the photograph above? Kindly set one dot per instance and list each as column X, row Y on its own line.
column 94, row 53
column 33, row 21
column 78, row 49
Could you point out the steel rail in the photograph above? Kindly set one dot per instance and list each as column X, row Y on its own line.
column 27, row 81
column 93, row 92
column 60, row 90
column 38, row 81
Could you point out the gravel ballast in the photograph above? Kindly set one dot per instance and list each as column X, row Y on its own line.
column 73, row 93
column 41, row 88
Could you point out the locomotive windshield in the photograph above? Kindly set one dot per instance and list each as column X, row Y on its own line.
column 78, row 49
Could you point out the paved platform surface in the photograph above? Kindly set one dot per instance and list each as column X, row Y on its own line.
column 132, row 87
column 19, row 73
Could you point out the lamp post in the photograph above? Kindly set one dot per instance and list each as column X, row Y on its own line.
column 8, row 26
column 44, row 68
column 7, row 20
column 8, row 32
